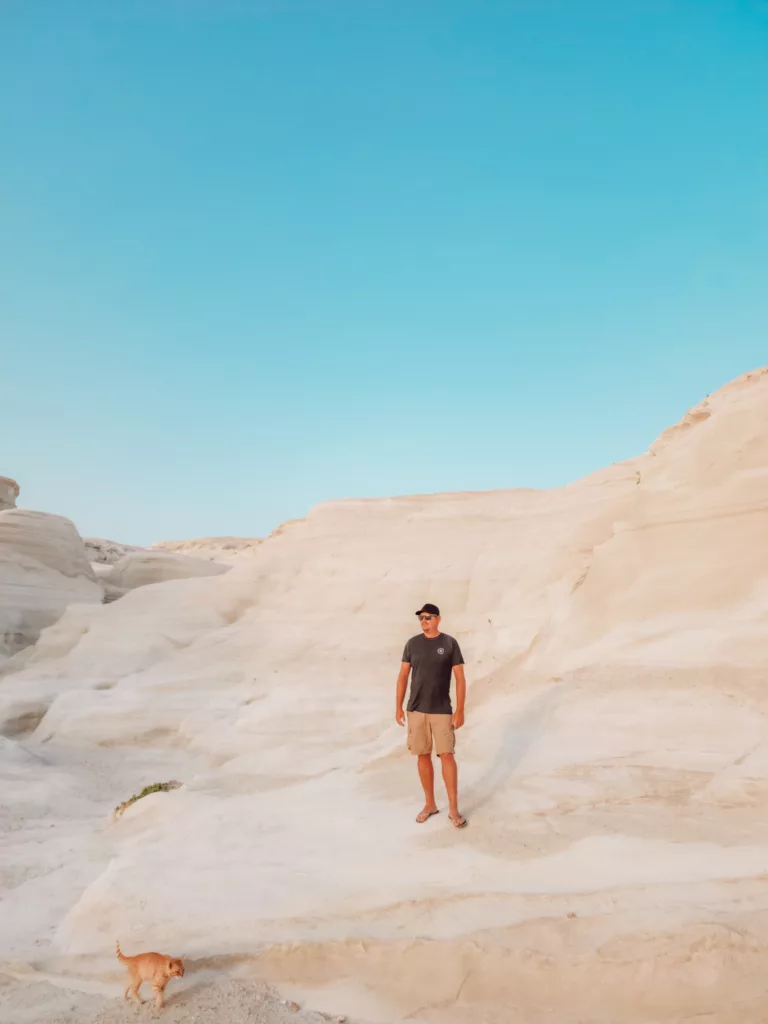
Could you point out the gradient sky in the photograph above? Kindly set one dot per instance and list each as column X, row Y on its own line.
column 258, row 255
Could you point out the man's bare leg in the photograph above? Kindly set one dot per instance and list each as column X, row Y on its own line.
column 451, row 780
column 427, row 776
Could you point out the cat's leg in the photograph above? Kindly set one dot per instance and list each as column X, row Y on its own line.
column 133, row 990
column 159, row 996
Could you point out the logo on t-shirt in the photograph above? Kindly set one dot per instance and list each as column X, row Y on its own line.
column 441, row 650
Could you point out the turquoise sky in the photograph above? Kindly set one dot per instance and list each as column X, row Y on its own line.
column 257, row 255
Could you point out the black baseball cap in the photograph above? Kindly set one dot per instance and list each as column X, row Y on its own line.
column 431, row 609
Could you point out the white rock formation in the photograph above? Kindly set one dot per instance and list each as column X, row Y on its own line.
column 141, row 568
column 226, row 550
column 123, row 567
column 107, row 552
column 43, row 568
column 215, row 549
column 614, row 764
column 9, row 492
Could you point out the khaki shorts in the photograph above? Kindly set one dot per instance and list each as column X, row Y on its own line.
column 423, row 729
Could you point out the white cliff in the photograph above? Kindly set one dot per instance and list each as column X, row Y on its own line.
column 43, row 569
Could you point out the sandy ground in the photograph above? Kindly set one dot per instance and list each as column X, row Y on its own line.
column 226, row 1001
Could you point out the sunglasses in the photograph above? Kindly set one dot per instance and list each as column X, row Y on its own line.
column 425, row 618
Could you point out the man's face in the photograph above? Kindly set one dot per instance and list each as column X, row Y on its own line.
column 428, row 622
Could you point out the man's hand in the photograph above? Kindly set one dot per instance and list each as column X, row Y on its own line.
column 461, row 696
column 400, row 716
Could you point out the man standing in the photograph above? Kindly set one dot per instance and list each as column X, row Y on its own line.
column 431, row 657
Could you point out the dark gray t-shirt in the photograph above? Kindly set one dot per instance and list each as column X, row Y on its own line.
column 432, row 660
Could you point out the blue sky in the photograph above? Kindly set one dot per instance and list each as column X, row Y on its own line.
column 258, row 255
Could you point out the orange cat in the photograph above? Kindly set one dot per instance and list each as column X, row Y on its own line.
column 152, row 967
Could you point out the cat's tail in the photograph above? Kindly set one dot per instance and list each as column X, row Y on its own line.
column 123, row 959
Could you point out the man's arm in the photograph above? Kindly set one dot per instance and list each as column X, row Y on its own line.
column 402, row 686
column 461, row 694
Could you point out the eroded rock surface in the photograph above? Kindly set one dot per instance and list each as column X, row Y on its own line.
column 43, row 569
column 9, row 492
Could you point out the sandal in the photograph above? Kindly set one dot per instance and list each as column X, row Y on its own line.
column 460, row 822
column 425, row 816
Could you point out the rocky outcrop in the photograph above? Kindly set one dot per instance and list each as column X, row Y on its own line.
column 142, row 567
column 227, row 550
column 9, row 492
column 43, row 569
column 106, row 552
column 214, row 549
column 120, row 568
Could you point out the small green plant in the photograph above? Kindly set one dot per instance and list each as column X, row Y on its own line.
column 156, row 787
